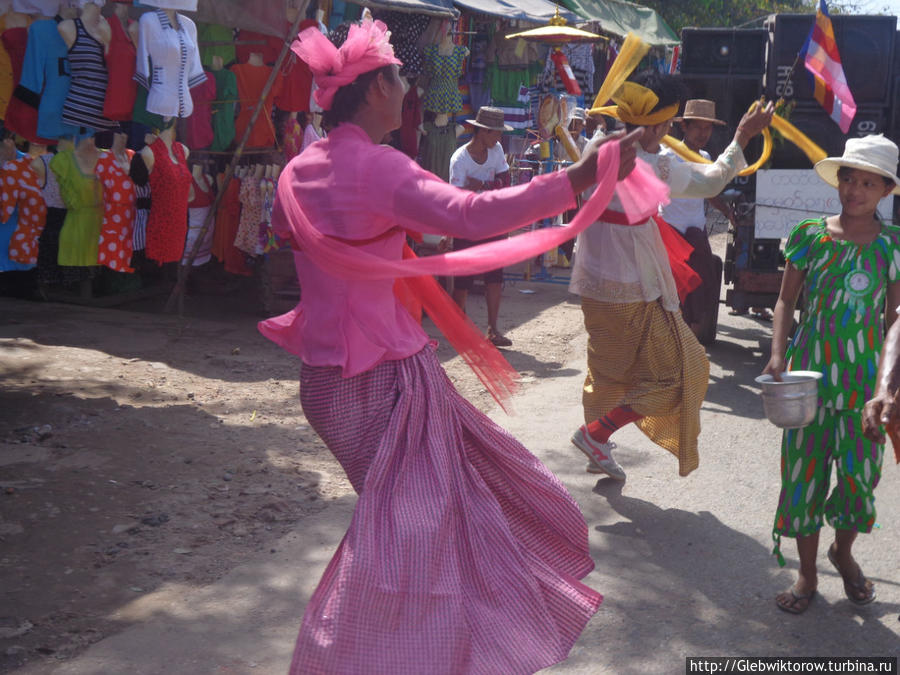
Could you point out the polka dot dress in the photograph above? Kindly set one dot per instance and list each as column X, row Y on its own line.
column 21, row 191
column 116, row 246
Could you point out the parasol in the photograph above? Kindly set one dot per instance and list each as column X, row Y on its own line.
column 557, row 32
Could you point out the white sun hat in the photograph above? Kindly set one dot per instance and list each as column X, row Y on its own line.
column 875, row 154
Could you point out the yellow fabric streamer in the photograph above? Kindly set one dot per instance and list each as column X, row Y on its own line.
column 798, row 138
column 781, row 125
column 566, row 139
column 689, row 155
column 633, row 50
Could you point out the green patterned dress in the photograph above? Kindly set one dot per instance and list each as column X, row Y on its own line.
column 840, row 336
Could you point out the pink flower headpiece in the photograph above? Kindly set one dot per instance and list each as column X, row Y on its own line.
column 366, row 48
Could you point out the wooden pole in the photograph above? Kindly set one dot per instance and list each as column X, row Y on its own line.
column 184, row 269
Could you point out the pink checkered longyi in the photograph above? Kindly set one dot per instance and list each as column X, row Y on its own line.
column 464, row 551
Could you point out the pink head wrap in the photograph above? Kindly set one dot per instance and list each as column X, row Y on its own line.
column 366, row 48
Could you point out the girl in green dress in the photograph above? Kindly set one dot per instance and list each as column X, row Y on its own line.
column 849, row 265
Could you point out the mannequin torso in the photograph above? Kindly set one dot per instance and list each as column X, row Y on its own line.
column 168, row 137
column 94, row 23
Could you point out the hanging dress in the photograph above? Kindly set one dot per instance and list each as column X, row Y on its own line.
column 247, row 237
column 223, row 110
column 6, row 74
column 251, row 80
column 167, row 224
column 8, row 227
column 49, row 271
column 120, row 63
column 198, row 127
column 437, row 147
column 198, row 208
column 442, row 95
column 83, row 196
column 140, row 177
column 20, row 193
column 90, row 79
column 228, row 217
column 116, row 236
column 45, row 78
column 21, row 113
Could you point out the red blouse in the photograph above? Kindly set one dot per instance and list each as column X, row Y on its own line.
column 170, row 187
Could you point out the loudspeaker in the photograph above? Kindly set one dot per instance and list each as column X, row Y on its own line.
column 723, row 51
column 813, row 121
column 866, row 46
column 732, row 96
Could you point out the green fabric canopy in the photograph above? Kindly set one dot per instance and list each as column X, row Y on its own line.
column 619, row 18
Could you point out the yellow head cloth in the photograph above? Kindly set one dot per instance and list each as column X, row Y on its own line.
column 634, row 103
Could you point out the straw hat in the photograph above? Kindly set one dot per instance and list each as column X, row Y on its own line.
column 700, row 109
column 875, row 154
column 490, row 118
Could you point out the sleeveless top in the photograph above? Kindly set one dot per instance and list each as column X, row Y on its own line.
column 120, row 63
column 167, row 224
column 87, row 91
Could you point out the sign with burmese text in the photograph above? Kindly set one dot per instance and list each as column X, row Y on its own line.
column 784, row 197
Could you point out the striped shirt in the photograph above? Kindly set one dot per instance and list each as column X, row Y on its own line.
column 87, row 92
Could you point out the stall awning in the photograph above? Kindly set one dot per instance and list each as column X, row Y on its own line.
column 429, row 7
column 538, row 11
column 268, row 16
column 620, row 18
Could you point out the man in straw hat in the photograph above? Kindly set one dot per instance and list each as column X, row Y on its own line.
column 688, row 215
column 480, row 165
column 644, row 363
column 848, row 266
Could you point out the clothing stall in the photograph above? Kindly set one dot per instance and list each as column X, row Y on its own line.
column 143, row 139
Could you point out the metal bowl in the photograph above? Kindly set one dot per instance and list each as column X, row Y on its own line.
column 793, row 402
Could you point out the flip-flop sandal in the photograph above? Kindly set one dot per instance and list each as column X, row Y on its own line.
column 853, row 588
column 793, row 608
column 762, row 316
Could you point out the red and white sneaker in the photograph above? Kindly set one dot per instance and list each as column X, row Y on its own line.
column 600, row 454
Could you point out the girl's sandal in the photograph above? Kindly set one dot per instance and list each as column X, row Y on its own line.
column 796, row 599
column 859, row 591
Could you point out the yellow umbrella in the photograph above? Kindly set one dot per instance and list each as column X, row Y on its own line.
column 557, row 32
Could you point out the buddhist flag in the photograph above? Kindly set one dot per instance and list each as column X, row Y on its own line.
column 823, row 61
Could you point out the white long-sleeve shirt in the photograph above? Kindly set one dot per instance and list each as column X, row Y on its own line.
column 168, row 63
column 623, row 264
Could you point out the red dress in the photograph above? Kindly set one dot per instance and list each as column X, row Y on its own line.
column 170, row 187
column 120, row 62
column 251, row 80
column 295, row 79
column 228, row 217
column 198, row 130
column 20, row 117
column 116, row 234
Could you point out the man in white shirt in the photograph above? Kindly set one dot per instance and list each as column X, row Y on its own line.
column 688, row 215
column 481, row 165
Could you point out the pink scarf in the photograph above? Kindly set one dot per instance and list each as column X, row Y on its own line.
column 640, row 194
